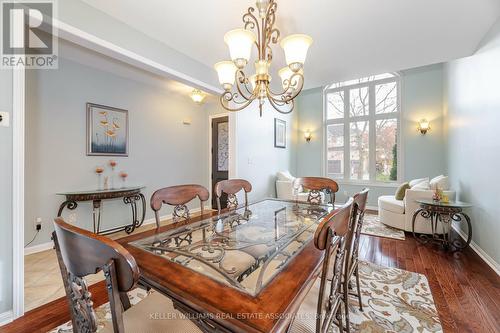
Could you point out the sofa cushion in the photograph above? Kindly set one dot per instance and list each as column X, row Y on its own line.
column 285, row 176
column 440, row 182
column 418, row 181
column 401, row 191
column 389, row 202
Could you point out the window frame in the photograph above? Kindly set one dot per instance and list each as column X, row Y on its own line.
column 372, row 117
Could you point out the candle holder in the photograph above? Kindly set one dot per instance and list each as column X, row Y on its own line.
column 123, row 175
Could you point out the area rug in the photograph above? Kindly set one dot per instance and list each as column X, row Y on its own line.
column 373, row 227
column 394, row 300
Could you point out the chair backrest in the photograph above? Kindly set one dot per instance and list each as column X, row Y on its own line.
column 316, row 185
column 334, row 236
column 360, row 199
column 178, row 196
column 231, row 187
column 80, row 253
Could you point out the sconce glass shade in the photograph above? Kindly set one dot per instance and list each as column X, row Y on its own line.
column 240, row 43
column 295, row 47
column 197, row 96
column 424, row 126
column 285, row 74
column 226, row 71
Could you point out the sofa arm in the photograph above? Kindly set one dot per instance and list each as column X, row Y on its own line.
column 284, row 189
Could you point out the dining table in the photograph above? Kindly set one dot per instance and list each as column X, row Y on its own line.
column 242, row 270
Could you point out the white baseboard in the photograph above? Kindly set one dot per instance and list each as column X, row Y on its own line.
column 6, row 317
column 50, row 245
column 372, row 207
column 38, row 248
column 480, row 252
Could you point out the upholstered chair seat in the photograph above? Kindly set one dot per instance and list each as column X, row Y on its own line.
column 155, row 313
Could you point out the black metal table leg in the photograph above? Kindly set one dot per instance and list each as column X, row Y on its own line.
column 68, row 203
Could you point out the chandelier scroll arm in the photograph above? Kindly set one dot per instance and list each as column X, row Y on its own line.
column 232, row 97
column 242, row 80
column 252, row 23
column 291, row 90
column 278, row 105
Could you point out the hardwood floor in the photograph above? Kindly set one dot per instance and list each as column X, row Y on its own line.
column 466, row 290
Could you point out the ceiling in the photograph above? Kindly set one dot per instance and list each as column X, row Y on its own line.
column 352, row 38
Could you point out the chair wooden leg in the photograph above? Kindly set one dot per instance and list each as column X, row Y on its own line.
column 346, row 306
column 359, row 288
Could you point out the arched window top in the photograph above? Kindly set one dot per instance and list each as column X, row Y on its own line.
column 362, row 80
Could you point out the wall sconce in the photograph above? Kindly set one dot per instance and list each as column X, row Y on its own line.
column 424, row 126
column 197, row 96
column 307, row 135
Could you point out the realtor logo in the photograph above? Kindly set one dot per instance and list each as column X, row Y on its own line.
column 28, row 36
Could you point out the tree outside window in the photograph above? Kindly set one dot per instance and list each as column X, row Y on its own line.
column 362, row 126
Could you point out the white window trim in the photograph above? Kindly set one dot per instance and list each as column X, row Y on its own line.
column 372, row 117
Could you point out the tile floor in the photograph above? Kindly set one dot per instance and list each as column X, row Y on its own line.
column 42, row 277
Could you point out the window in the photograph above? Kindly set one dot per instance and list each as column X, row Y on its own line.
column 362, row 129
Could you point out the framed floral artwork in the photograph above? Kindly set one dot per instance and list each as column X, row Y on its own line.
column 107, row 131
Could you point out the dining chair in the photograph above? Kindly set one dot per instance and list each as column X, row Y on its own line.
column 360, row 199
column 178, row 196
column 80, row 253
column 327, row 299
column 231, row 187
column 316, row 185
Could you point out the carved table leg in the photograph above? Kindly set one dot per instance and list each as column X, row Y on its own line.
column 96, row 215
column 68, row 203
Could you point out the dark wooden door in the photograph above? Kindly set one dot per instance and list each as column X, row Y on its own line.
column 220, row 155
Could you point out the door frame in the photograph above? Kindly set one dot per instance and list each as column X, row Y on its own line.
column 232, row 147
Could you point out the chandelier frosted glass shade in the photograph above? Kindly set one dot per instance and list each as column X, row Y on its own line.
column 226, row 71
column 240, row 42
column 240, row 88
column 295, row 47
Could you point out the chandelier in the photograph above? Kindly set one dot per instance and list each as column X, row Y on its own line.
column 259, row 30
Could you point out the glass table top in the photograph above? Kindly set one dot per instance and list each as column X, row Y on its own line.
column 244, row 248
column 121, row 189
column 453, row 204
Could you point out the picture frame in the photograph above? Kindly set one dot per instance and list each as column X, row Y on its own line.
column 279, row 133
column 107, row 130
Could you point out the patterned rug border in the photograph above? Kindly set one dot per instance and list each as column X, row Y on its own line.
column 373, row 227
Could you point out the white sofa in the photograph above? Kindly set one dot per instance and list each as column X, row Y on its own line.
column 399, row 213
column 284, row 188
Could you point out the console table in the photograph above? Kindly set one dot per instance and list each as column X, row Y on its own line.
column 130, row 197
column 446, row 213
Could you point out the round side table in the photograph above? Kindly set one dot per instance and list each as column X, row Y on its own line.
column 446, row 213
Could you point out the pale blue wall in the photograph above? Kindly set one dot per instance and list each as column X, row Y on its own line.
column 421, row 97
column 258, row 160
column 6, row 194
column 473, row 113
column 163, row 151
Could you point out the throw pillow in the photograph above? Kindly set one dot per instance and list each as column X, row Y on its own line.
column 417, row 181
column 401, row 191
column 440, row 182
